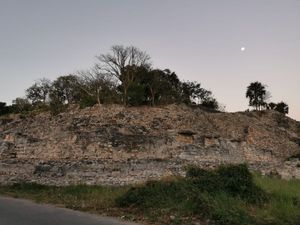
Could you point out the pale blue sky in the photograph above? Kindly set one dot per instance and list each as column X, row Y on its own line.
column 199, row 40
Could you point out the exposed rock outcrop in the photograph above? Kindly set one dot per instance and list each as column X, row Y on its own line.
column 117, row 145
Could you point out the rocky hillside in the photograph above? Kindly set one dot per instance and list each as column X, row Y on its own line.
column 118, row 145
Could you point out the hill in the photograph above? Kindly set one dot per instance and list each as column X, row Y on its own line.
column 120, row 145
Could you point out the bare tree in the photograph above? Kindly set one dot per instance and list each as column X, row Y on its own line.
column 122, row 63
column 94, row 82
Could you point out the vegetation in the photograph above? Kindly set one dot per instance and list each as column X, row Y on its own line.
column 228, row 195
column 124, row 75
column 80, row 197
column 256, row 92
column 281, row 107
column 258, row 97
column 4, row 109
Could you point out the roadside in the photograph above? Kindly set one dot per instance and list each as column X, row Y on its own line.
column 24, row 212
column 230, row 195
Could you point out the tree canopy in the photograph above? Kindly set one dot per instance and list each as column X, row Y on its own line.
column 256, row 92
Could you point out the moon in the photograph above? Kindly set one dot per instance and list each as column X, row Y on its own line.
column 243, row 49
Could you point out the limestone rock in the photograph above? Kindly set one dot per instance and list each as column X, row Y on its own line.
column 118, row 145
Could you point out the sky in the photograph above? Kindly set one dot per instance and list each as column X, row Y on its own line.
column 200, row 40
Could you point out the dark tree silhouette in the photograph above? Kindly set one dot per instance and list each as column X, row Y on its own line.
column 272, row 105
column 256, row 92
column 282, row 107
column 193, row 93
column 3, row 108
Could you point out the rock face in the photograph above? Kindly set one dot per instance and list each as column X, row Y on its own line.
column 118, row 145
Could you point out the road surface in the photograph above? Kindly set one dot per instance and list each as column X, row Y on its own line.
column 24, row 212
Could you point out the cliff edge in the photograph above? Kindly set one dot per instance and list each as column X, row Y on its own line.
column 119, row 145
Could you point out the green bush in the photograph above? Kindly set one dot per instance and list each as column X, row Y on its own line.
column 221, row 195
column 235, row 180
column 238, row 181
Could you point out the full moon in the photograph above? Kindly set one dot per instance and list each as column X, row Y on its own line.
column 243, row 49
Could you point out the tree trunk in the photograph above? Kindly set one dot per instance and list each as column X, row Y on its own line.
column 125, row 95
column 98, row 97
column 152, row 96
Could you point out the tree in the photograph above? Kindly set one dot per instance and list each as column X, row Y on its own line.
column 65, row 89
column 256, row 92
column 21, row 105
column 282, row 107
column 192, row 92
column 272, row 105
column 97, row 86
column 210, row 103
column 121, row 63
column 3, row 108
column 39, row 91
column 170, row 91
column 153, row 82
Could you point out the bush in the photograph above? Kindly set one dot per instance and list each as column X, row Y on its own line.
column 238, row 181
column 221, row 195
column 235, row 180
column 147, row 196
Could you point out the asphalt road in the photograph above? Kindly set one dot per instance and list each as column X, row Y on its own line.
column 24, row 212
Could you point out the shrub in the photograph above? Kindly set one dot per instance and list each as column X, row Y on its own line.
column 238, row 181
column 221, row 195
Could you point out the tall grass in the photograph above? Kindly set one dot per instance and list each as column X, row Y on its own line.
column 284, row 205
column 81, row 197
column 230, row 195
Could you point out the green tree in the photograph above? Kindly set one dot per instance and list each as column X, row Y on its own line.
column 21, row 105
column 97, row 87
column 39, row 91
column 153, row 82
column 65, row 89
column 170, row 91
column 210, row 103
column 192, row 92
column 122, row 63
column 256, row 92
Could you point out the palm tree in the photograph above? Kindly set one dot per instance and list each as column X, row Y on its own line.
column 256, row 92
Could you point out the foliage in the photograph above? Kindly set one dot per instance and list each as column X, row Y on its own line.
column 281, row 107
column 4, row 109
column 203, row 195
column 228, row 195
column 65, row 89
column 256, row 92
column 39, row 91
column 80, row 197
column 192, row 92
column 210, row 103
column 21, row 105
column 97, row 86
column 123, row 75
column 122, row 64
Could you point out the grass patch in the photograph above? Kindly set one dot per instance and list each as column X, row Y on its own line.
column 80, row 197
column 230, row 195
column 224, row 196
